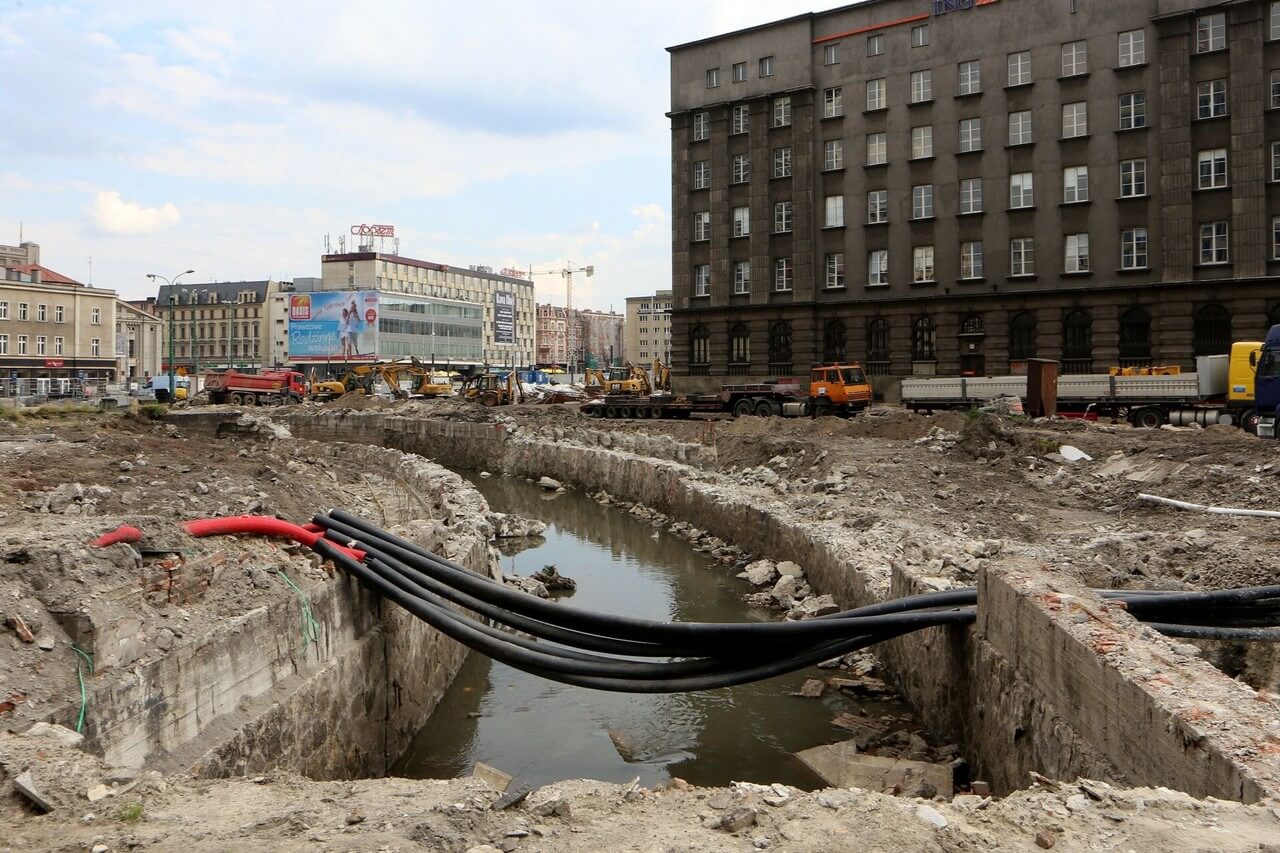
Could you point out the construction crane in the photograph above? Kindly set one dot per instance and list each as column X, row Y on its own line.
column 566, row 272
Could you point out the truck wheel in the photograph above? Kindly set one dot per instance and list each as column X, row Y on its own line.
column 743, row 407
column 250, row 399
column 822, row 408
column 656, row 412
column 611, row 412
column 766, row 408
column 489, row 398
column 1249, row 421
column 1148, row 418
column 234, row 399
column 274, row 400
column 627, row 412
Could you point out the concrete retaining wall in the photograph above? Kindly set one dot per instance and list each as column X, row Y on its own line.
column 251, row 695
column 1019, row 693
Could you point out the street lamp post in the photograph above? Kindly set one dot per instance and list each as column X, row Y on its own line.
column 172, row 302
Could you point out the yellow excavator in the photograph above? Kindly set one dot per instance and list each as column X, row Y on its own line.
column 362, row 379
column 629, row 379
column 489, row 389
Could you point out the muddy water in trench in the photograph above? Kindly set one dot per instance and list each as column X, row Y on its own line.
column 541, row 731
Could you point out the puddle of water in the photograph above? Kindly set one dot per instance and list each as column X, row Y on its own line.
column 541, row 731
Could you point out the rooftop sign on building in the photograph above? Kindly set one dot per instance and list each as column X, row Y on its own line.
column 942, row 7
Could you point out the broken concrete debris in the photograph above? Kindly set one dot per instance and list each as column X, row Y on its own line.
column 25, row 785
column 550, row 577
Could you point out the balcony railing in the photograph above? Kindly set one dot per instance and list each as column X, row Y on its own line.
column 738, row 369
column 699, row 370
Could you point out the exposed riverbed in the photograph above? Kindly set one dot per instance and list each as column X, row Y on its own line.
column 541, row 731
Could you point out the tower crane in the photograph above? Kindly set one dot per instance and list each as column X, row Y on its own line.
column 566, row 272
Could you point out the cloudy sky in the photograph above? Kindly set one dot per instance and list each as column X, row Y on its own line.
column 230, row 137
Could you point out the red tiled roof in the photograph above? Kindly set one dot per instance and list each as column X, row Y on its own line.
column 46, row 275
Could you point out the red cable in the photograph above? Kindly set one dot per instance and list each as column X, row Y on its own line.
column 261, row 526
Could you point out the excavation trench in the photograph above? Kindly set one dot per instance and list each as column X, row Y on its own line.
column 1048, row 680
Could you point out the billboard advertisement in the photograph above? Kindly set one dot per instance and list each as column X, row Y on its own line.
column 332, row 326
column 504, row 317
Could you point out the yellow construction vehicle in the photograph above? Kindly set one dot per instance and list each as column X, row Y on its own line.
column 430, row 384
column 661, row 377
column 489, row 389
column 361, row 379
column 629, row 379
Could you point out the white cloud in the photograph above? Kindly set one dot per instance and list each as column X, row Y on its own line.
column 113, row 215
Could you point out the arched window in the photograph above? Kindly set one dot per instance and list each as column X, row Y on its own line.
column 780, row 346
column 699, row 351
column 972, row 325
column 1212, row 334
column 739, row 350
column 877, row 340
column 1135, row 336
column 1077, row 342
column 924, row 339
column 833, row 342
column 1022, row 336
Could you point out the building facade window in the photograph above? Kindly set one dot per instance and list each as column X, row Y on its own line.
column 971, row 264
column 741, row 169
column 877, row 267
column 42, row 313
column 1135, row 335
column 1133, row 48
column 969, row 77
column 4, row 344
column 741, row 277
column 1076, row 253
column 702, row 280
column 922, row 271
column 4, row 310
column 23, row 311
column 741, row 221
column 739, row 345
column 1213, row 243
column 782, row 217
column 766, row 66
column 1212, row 168
column 970, row 135
column 782, row 162
column 834, row 212
column 741, row 119
column 1211, row 330
column 1075, row 120
column 877, row 207
column 1022, row 336
column 833, row 102
column 833, row 155
column 1211, row 99
column 1273, row 16
column 922, row 201
column 1022, row 256
column 1019, row 69
column 1275, row 238
column 1211, row 32
column 1133, row 178
column 1075, row 184
column 59, row 344
column 877, row 340
column 701, row 126
column 95, row 347
column 876, row 94
column 782, row 111
column 739, row 72
column 831, row 54
column 921, row 86
column 1021, row 190
column 920, row 35
column 971, row 195
column 1020, row 128
column 877, row 149
column 780, row 346
column 713, row 78
column 782, row 275
column 922, row 142
column 701, row 174
column 1275, row 161
column 1133, row 249
column 924, row 339
column 1133, row 110
column 1075, row 58
column 833, row 342
column 702, row 225
column 699, row 345
column 835, row 270
column 875, row 45
column 42, row 345
column 22, row 344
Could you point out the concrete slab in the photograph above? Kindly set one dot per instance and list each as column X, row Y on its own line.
column 492, row 776
column 841, row 766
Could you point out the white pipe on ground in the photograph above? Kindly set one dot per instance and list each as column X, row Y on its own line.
column 1216, row 510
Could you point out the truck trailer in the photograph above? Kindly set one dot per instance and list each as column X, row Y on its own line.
column 1219, row 391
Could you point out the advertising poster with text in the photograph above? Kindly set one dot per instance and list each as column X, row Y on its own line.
column 333, row 326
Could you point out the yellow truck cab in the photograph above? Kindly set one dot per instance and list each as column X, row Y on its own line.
column 1240, row 371
column 838, row 389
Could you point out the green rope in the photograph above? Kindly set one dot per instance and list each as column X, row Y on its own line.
column 84, row 695
column 310, row 627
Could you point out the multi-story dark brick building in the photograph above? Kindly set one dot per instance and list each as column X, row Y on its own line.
column 945, row 186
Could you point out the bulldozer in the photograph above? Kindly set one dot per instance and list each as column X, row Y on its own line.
column 489, row 389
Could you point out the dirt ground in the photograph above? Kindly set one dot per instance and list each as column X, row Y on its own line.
column 940, row 494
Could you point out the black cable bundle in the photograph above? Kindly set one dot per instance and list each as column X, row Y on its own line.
column 632, row 655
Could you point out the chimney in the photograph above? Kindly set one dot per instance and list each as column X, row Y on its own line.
column 35, row 275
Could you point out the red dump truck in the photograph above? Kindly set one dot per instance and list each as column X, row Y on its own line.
column 268, row 388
